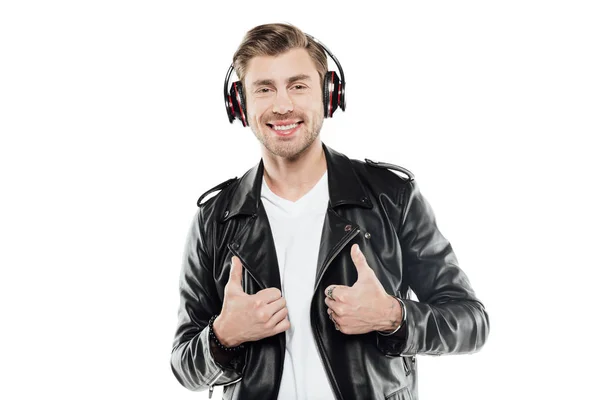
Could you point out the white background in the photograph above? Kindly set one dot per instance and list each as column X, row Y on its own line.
column 112, row 124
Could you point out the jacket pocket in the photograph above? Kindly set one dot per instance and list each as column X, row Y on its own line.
column 401, row 394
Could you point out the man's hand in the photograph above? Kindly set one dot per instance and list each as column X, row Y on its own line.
column 365, row 306
column 246, row 318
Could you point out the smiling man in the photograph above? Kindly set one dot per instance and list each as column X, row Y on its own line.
column 297, row 276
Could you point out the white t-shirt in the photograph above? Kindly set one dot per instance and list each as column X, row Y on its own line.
column 297, row 228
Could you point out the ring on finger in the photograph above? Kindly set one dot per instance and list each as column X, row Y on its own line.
column 330, row 293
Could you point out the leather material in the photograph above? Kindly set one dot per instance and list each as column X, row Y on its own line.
column 405, row 249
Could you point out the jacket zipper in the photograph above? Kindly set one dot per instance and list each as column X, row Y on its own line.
column 407, row 368
column 211, row 386
column 324, row 359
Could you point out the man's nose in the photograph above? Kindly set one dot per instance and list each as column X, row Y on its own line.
column 282, row 103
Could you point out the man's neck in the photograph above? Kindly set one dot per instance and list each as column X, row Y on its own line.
column 292, row 179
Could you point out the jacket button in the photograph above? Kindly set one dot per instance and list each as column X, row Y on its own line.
column 347, row 228
column 226, row 214
column 364, row 199
column 235, row 245
column 367, row 235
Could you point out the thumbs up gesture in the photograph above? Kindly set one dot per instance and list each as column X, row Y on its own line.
column 245, row 317
column 364, row 306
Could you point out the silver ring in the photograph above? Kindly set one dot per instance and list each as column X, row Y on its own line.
column 330, row 293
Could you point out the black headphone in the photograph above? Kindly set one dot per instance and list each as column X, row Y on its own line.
column 333, row 92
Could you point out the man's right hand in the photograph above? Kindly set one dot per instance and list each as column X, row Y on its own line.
column 246, row 318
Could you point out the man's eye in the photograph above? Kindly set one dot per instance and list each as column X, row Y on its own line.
column 263, row 90
column 299, row 87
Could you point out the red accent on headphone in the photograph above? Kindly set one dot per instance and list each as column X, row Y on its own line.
column 237, row 95
column 231, row 106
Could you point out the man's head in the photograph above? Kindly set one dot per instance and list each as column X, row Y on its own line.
column 273, row 40
column 282, row 70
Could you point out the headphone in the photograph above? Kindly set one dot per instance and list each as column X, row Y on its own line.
column 334, row 91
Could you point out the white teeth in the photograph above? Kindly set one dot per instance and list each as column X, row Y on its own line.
column 284, row 127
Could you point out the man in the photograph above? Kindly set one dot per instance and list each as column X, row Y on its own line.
column 296, row 277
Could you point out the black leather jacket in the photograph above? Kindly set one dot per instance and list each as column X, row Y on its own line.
column 395, row 227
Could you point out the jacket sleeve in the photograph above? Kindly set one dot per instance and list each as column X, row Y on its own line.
column 193, row 362
column 448, row 318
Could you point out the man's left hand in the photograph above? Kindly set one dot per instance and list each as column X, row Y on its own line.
column 365, row 306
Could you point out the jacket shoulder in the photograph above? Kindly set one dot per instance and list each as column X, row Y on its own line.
column 219, row 187
column 406, row 174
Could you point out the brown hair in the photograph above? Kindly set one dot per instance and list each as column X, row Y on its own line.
column 275, row 39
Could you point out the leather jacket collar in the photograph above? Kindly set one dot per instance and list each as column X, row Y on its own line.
column 344, row 187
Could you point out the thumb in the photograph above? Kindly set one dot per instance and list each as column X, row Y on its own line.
column 359, row 260
column 235, row 273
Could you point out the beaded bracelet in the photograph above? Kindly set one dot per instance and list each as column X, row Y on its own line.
column 211, row 334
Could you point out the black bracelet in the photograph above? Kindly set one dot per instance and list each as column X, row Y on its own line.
column 213, row 337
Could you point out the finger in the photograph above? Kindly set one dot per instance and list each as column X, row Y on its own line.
column 357, row 256
column 340, row 294
column 339, row 310
column 359, row 260
column 275, row 306
column 332, row 317
column 235, row 273
column 329, row 292
column 331, row 313
column 337, row 292
column 333, row 305
column 282, row 326
column 268, row 295
column 277, row 317
column 335, row 323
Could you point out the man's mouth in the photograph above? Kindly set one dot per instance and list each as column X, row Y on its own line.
column 285, row 129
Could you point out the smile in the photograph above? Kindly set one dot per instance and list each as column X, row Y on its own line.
column 285, row 130
column 284, row 127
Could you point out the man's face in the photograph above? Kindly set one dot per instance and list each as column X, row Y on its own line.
column 284, row 102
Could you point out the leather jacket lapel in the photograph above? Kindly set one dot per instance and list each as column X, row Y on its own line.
column 255, row 247
column 337, row 232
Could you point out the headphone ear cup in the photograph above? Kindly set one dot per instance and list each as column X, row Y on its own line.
column 332, row 95
column 342, row 96
column 237, row 103
column 229, row 108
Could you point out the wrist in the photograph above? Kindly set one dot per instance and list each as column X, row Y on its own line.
column 395, row 318
column 220, row 333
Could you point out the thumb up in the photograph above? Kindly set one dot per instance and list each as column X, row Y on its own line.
column 234, row 284
column 363, row 269
column 245, row 317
